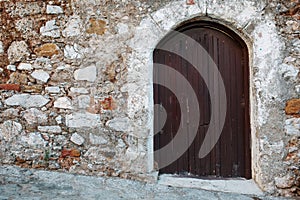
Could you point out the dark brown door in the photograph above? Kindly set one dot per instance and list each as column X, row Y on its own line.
column 231, row 156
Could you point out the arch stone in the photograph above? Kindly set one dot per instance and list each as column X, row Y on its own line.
column 268, row 89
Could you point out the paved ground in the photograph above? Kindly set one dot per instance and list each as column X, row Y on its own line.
column 18, row 183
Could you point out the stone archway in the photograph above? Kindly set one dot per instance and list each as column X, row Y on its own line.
column 260, row 34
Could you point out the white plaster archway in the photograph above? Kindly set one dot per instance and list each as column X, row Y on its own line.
column 258, row 30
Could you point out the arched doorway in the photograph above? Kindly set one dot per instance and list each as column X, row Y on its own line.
column 231, row 156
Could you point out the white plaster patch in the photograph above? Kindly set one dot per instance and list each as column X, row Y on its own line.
column 288, row 72
column 266, row 51
column 144, row 36
column 240, row 12
column 122, row 28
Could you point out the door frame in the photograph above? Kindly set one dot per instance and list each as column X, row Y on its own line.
column 211, row 23
column 152, row 168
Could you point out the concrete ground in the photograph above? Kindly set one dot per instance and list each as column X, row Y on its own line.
column 18, row 183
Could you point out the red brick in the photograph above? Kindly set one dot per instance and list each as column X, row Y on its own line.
column 15, row 87
column 70, row 153
column 108, row 104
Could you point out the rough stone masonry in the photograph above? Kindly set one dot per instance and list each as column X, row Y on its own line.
column 76, row 89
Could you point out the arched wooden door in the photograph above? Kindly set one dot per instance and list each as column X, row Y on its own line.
column 231, row 156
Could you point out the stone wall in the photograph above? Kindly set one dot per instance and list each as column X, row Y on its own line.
column 76, row 83
column 288, row 21
column 64, row 81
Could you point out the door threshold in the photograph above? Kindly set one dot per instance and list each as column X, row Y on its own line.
column 234, row 185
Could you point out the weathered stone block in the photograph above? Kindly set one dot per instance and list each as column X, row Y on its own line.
column 34, row 140
column 24, row 8
column 98, row 155
column 34, row 116
column 42, row 63
column 96, row 26
column 79, row 90
column 72, row 52
column 51, row 9
column 118, row 124
column 77, row 139
column 78, row 120
column 27, row 100
column 18, row 51
column 97, row 139
column 9, row 130
column 25, row 66
column 53, row 90
column 1, row 47
column 284, row 182
column 32, row 88
column 73, row 27
column 59, row 119
column 11, row 112
column 63, row 103
column 122, row 28
column 50, row 29
column 293, row 107
column 48, row 49
column 86, row 74
column 40, row 75
column 11, row 68
column 49, row 129
column 288, row 71
column 18, row 78
column 292, row 126
column 83, row 101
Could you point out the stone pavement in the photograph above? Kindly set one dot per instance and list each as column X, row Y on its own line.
column 19, row 183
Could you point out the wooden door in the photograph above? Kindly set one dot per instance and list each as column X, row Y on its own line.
column 231, row 156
